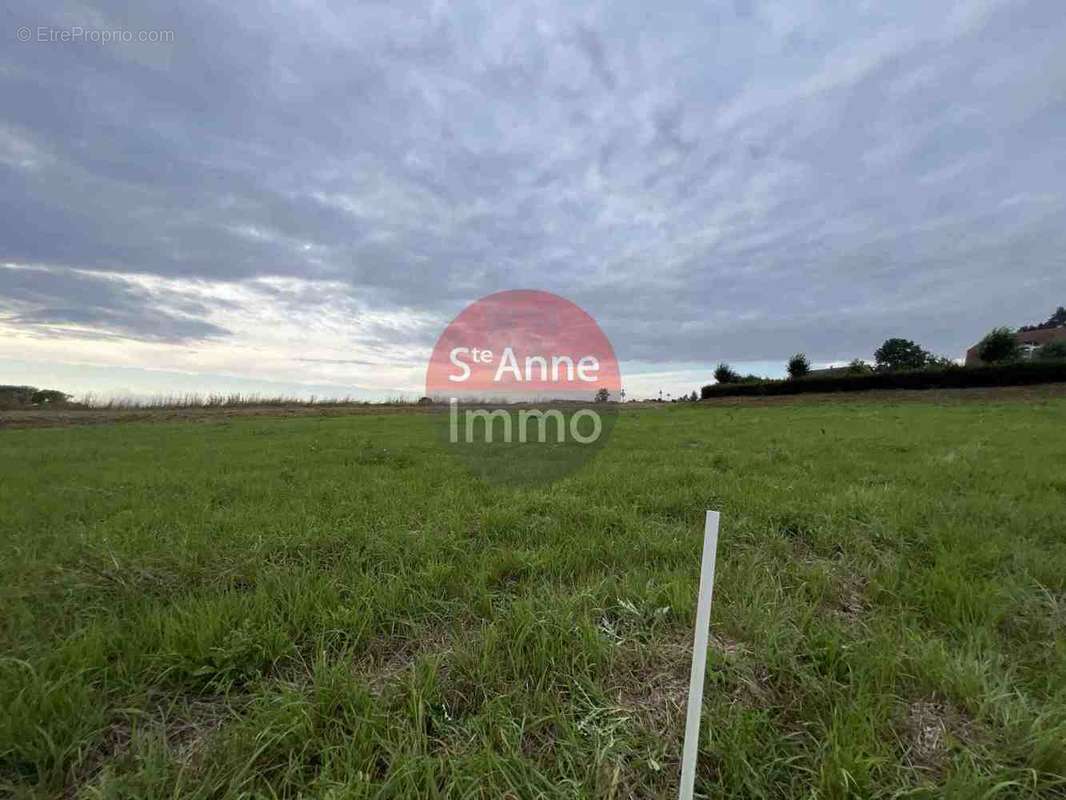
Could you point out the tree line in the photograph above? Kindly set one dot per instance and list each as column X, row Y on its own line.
column 896, row 354
column 31, row 397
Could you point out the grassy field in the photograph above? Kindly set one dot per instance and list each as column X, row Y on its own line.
column 331, row 607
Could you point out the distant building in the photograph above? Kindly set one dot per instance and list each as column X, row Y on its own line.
column 1028, row 341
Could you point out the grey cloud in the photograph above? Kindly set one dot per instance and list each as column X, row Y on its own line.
column 44, row 301
column 738, row 183
column 592, row 46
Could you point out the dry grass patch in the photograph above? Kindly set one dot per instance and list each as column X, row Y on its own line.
column 182, row 728
column 387, row 659
column 927, row 732
column 650, row 680
column 851, row 599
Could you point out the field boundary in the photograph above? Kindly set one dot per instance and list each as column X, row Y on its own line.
column 60, row 417
column 1020, row 373
column 938, row 396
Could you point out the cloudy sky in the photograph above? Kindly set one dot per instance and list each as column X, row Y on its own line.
column 297, row 197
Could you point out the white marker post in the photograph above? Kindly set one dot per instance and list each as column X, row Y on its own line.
column 699, row 657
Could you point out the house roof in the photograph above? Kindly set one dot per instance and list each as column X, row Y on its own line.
column 1040, row 336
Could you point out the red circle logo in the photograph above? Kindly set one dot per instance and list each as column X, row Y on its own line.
column 529, row 382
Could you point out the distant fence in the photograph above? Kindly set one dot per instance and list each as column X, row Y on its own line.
column 1023, row 373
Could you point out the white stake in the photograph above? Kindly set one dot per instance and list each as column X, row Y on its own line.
column 699, row 657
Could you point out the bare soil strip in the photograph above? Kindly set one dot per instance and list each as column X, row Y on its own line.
column 51, row 418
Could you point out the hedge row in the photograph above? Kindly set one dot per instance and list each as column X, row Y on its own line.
column 30, row 397
column 1020, row 373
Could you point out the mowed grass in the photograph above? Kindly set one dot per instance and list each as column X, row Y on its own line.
column 333, row 608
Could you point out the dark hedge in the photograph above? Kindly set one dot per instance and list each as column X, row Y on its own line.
column 1022, row 373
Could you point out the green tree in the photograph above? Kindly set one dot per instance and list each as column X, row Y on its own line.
column 898, row 354
column 15, row 396
column 798, row 366
column 49, row 397
column 602, row 395
column 1052, row 351
column 1056, row 320
column 940, row 362
column 724, row 373
column 859, row 367
column 999, row 345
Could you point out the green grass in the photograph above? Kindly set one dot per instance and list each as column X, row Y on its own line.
column 332, row 607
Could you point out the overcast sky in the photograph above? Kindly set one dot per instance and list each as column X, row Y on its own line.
column 299, row 196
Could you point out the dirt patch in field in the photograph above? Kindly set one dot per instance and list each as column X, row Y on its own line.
column 926, row 732
column 386, row 660
column 651, row 682
column 851, row 599
column 183, row 729
column 43, row 418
